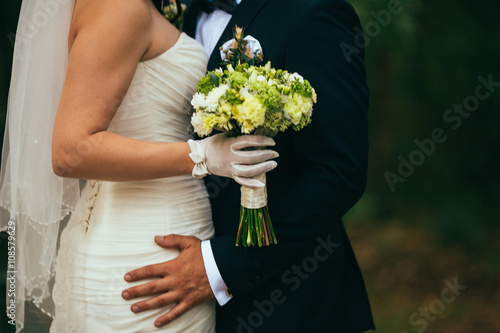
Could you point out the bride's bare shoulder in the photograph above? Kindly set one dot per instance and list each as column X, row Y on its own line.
column 118, row 17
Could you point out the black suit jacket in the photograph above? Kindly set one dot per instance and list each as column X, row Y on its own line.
column 310, row 281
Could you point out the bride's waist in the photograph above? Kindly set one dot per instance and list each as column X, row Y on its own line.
column 179, row 190
column 180, row 182
column 179, row 204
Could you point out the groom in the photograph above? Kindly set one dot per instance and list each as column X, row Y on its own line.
column 310, row 281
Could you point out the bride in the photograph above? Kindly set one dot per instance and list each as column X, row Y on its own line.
column 101, row 91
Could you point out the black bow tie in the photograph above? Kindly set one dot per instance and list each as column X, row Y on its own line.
column 226, row 5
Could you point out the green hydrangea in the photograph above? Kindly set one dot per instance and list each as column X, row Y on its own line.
column 205, row 85
column 304, row 121
column 267, row 94
column 237, row 79
column 233, row 97
column 274, row 120
column 303, row 89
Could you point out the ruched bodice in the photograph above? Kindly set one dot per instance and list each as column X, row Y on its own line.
column 157, row 102
column 113, row 226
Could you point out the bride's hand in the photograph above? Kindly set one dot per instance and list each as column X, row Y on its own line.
column 229, row 157
column 181, row 280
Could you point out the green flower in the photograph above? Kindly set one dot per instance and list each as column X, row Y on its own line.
column 275, row 120
column 237, row 79
column 206, row 83
column 302, row 88
column 297, row 107
column 267, row 94
column 170, row 12
column 233, row 97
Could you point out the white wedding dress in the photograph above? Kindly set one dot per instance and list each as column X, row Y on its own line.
column 112, row 229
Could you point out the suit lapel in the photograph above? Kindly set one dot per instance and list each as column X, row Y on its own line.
column 191, row 17
column 243, row 17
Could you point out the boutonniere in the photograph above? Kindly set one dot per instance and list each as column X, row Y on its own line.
column 241, row 50
column 243, row 97
column 174, row 13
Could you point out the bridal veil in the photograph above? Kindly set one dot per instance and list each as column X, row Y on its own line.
column 34, row 200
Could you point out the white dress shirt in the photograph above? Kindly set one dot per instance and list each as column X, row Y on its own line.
column 208, row 31
column 210, row 27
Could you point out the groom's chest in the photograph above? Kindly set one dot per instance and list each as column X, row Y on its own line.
column 272, row 25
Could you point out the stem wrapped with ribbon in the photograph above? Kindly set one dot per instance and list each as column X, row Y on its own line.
column 255, row 226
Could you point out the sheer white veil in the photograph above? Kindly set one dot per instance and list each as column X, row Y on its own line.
column 34, row 198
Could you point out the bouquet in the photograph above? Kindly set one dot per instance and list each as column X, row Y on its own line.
column 243, row 97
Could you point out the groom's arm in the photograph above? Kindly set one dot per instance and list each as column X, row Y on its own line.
column 331, row 152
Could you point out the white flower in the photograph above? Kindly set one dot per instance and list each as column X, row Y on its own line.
column 197, row 123
column 253, row 44
column 209, row 103
column 216, row 93
column 296, row 76
column 198, row 101
column 220, row 90
column 244, row 92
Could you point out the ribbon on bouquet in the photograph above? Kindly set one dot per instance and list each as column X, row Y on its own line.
column 254, row 198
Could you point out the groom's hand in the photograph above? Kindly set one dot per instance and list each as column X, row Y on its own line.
column 181, row 280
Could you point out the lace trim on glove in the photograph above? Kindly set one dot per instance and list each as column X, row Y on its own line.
column 200, row 169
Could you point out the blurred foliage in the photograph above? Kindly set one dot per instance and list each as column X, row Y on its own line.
column 441, row 222
column 424, row 61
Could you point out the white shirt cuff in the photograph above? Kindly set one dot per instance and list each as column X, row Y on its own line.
column 217, row 284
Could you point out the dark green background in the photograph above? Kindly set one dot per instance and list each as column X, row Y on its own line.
column 441, row 223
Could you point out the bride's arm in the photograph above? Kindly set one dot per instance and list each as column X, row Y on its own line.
column 111, row 38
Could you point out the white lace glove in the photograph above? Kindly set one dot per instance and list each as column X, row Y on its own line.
column 223, row 156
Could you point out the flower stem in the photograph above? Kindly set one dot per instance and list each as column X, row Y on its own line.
column 270, row 225
column 242, row 217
